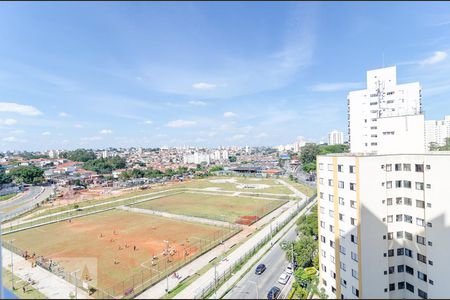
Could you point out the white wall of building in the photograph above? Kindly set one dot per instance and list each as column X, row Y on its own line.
column 335, row 137
column 436, row 131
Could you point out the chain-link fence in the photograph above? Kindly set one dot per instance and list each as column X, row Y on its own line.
column 223, row 277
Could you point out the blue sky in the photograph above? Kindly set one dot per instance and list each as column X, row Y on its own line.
column 205, row 74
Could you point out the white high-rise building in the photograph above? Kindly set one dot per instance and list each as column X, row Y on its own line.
column 384, row 223
column 375, row 113
column 335, row 137
column 436, row 131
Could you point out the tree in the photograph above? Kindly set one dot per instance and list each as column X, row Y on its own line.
column 82, row 155
column 216, row 168
column 340, row 148
column 27, row 174
column 105, row 165
column 309, row 153
column 232, row 158
column 309, row 167
column 4, row 178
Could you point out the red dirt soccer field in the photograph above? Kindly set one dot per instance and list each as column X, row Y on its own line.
column 88, row 241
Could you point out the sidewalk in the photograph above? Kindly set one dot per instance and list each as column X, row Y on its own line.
column 237, row 276
column 159, row 289
column 47, row 283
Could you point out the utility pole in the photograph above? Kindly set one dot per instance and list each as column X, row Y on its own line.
column 215, row 280
column 76, row 283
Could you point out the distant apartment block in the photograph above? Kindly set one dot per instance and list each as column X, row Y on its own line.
column 436, row 131
column 335, row 137
column 386, row 113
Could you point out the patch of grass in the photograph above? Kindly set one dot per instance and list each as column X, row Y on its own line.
column 30, row 291
column 6, row 197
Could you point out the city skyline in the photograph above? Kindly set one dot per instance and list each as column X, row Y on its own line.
column 204, row 74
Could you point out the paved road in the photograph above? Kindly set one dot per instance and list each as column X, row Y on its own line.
column 28, row 200
column 32, row 192
column 275, row 261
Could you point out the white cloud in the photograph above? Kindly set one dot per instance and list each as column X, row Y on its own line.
column 148, row 122
column 229, row 114
column 46, row 133
column 180, row 123
column 13, row 139
column 63, row 114
column 91, row 138
column 204, row 86
column 105, row 131
column 238, row 136
column 197, row 103
column 78, row 126
column 438, row 56
column 26, row 110
column 8, row 122
column 161, row 135
column 336, row 86
column 261, row 135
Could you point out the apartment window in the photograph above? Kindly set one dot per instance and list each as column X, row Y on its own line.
column 331, row 228
column 343, row 266
column 321, row 180
column 391, row 270
column 388, row 168
column 341, row 217
column 398, row 200
column 410, row 287
column 399, row 234
column 342, row 249
column 400, row 251
column 401, row 285
column 354, row 274
column 322, row 210
column 352, row 203
column 421, row 258
column 389, row 201
column 428, row 186
column 355, row 291
column 321, row 166
column 430, row 262
column 340, row 168
column 332, row 244
column 333, row 260
column 354, row 239
column 420, row 204
column 429, row 204
column 407, row 184
column 354, row 256
column 408, row 252
column 351, row 169
column 399, row 218
column 390, row 235
column 330, row 198
column 428, row 167
column 324, row 253
column 409, row 270
column 341, row 184
column 330, row 182
column 324, row 268
column 398, row 167
column 342, row 233
column 352, row 186
column 429, row 224
column 422, row 276
column 321, row 194
column 398, row 183
column 408, row 219
column 420, row 240
column 422, row 294
column 331, row 213
column 430, row 281
column 430, row 243
column 389, row 219
column 353, row 221
column 391, row 252
column 408, row 235
column 323, row 239
column 407, row 201
column 389, row 184
column 392, row 287
column 333, row 290
column 341, row 201
column 419, row 186
column 400, row 268
column 420, row 222
column 406, row 167
column 419, row 168
column 343, row 282
column 330, row 167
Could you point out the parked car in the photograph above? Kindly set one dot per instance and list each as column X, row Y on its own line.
column 289, row 269
column 284, row 277
column 260, row 269
column 273, row 293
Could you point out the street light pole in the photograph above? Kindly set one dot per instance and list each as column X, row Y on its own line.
column 76, row 282
column 12, row 265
